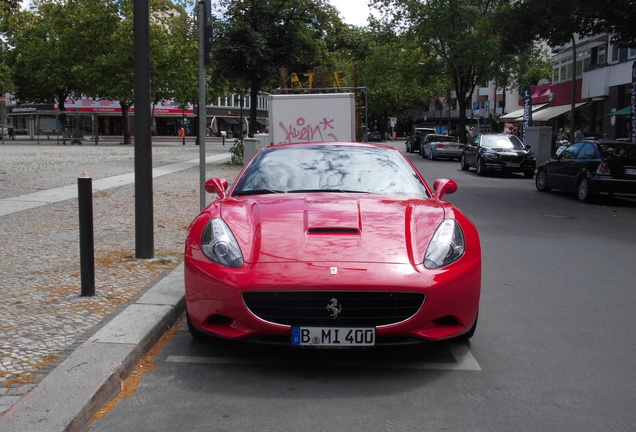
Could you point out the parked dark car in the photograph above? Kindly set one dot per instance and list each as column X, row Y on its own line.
column 498, row 152
column 446, row 146
column 591, row 167
column 414, row 141
column 374, row 136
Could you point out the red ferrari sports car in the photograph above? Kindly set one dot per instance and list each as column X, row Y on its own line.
column 332, row 245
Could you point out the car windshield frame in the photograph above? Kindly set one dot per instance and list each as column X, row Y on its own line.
column 314, row 168
column 506, row 142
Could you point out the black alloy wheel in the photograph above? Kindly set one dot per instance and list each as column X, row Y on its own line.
column 583, row 192
column 481, row 167
column 541, row 182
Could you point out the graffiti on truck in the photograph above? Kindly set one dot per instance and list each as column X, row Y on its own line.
column 303, row 131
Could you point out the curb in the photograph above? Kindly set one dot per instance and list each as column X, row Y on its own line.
column 77, row 388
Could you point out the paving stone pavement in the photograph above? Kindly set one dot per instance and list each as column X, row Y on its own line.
column 43, row 317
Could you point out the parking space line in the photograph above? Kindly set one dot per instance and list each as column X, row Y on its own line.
column 464, row 360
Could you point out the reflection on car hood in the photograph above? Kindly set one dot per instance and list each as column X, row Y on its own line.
column 318, row 228
column 507, row 151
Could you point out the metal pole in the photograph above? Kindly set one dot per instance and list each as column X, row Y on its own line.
column 202, row 107
column 87, row 245
column 144, row 226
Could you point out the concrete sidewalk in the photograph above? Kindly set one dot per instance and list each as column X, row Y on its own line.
column 42, row 318
column 90, row 376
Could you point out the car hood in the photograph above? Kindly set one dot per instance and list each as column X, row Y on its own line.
column 507, row 151
column 320, row 229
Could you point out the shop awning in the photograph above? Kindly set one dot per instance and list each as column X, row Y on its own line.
column 622, row 112
column 512, row 116
column 553, row 111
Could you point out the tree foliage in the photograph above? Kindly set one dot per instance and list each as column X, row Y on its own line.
column 462, row 35
column 399, row 73
column 255, row 38
column 557, row 21
column 8, row 10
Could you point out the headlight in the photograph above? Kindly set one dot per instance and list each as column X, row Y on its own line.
column 447, row 245
column 531, row 157
column 490, row 156
column 218, row 244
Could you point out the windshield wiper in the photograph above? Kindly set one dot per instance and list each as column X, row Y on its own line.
column 257, row 192
column 327, row 190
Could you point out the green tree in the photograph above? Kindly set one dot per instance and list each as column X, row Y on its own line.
column 171, row 52
column 399, row 73
column 255, row 38
column 557, row 21
column 8, row 10
column 71, row 48
column 462, row 35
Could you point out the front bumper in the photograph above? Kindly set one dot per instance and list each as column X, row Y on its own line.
column 509, row 167
column 216, row 306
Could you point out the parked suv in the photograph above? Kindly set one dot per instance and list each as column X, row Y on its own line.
column 414, row 141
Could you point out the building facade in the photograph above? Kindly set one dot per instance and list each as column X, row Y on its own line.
column 86, row 116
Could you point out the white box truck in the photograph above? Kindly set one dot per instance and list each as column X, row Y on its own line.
column 312, row 117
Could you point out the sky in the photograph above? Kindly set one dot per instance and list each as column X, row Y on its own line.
column 353, row 12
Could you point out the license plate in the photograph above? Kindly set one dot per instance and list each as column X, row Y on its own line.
column 630, row 171
column 514, row 165
column 342, row 337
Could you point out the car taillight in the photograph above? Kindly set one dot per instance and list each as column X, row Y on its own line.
column 440, row 146
column 603, row 169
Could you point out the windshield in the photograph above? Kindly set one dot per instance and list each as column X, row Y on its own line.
column 335, row 168
column 502, row 142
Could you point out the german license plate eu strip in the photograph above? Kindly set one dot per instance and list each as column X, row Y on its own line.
column 333, row 336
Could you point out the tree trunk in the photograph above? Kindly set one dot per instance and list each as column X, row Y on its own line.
column 125, row 123
column 61, row 99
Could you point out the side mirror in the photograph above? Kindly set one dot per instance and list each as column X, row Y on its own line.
column 443, row 187
column 528, row 147
column 218, row 186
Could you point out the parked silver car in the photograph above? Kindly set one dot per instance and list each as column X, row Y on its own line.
column 446, row 146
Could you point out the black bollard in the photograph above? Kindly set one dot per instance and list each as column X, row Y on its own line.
column 87, row 249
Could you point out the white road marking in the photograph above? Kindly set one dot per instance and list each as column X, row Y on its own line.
column 41, row 198
column 463, row 356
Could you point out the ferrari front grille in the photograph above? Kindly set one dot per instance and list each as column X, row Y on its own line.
column 333, row 308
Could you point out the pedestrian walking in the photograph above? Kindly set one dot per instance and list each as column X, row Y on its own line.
column 578, row 135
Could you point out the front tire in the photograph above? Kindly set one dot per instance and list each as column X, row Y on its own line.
column 481, row 167
column 462, row 163
column 541, row 182
column 196, row 334
column 466, row 336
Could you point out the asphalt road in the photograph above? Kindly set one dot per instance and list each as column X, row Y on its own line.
column 553, row 350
